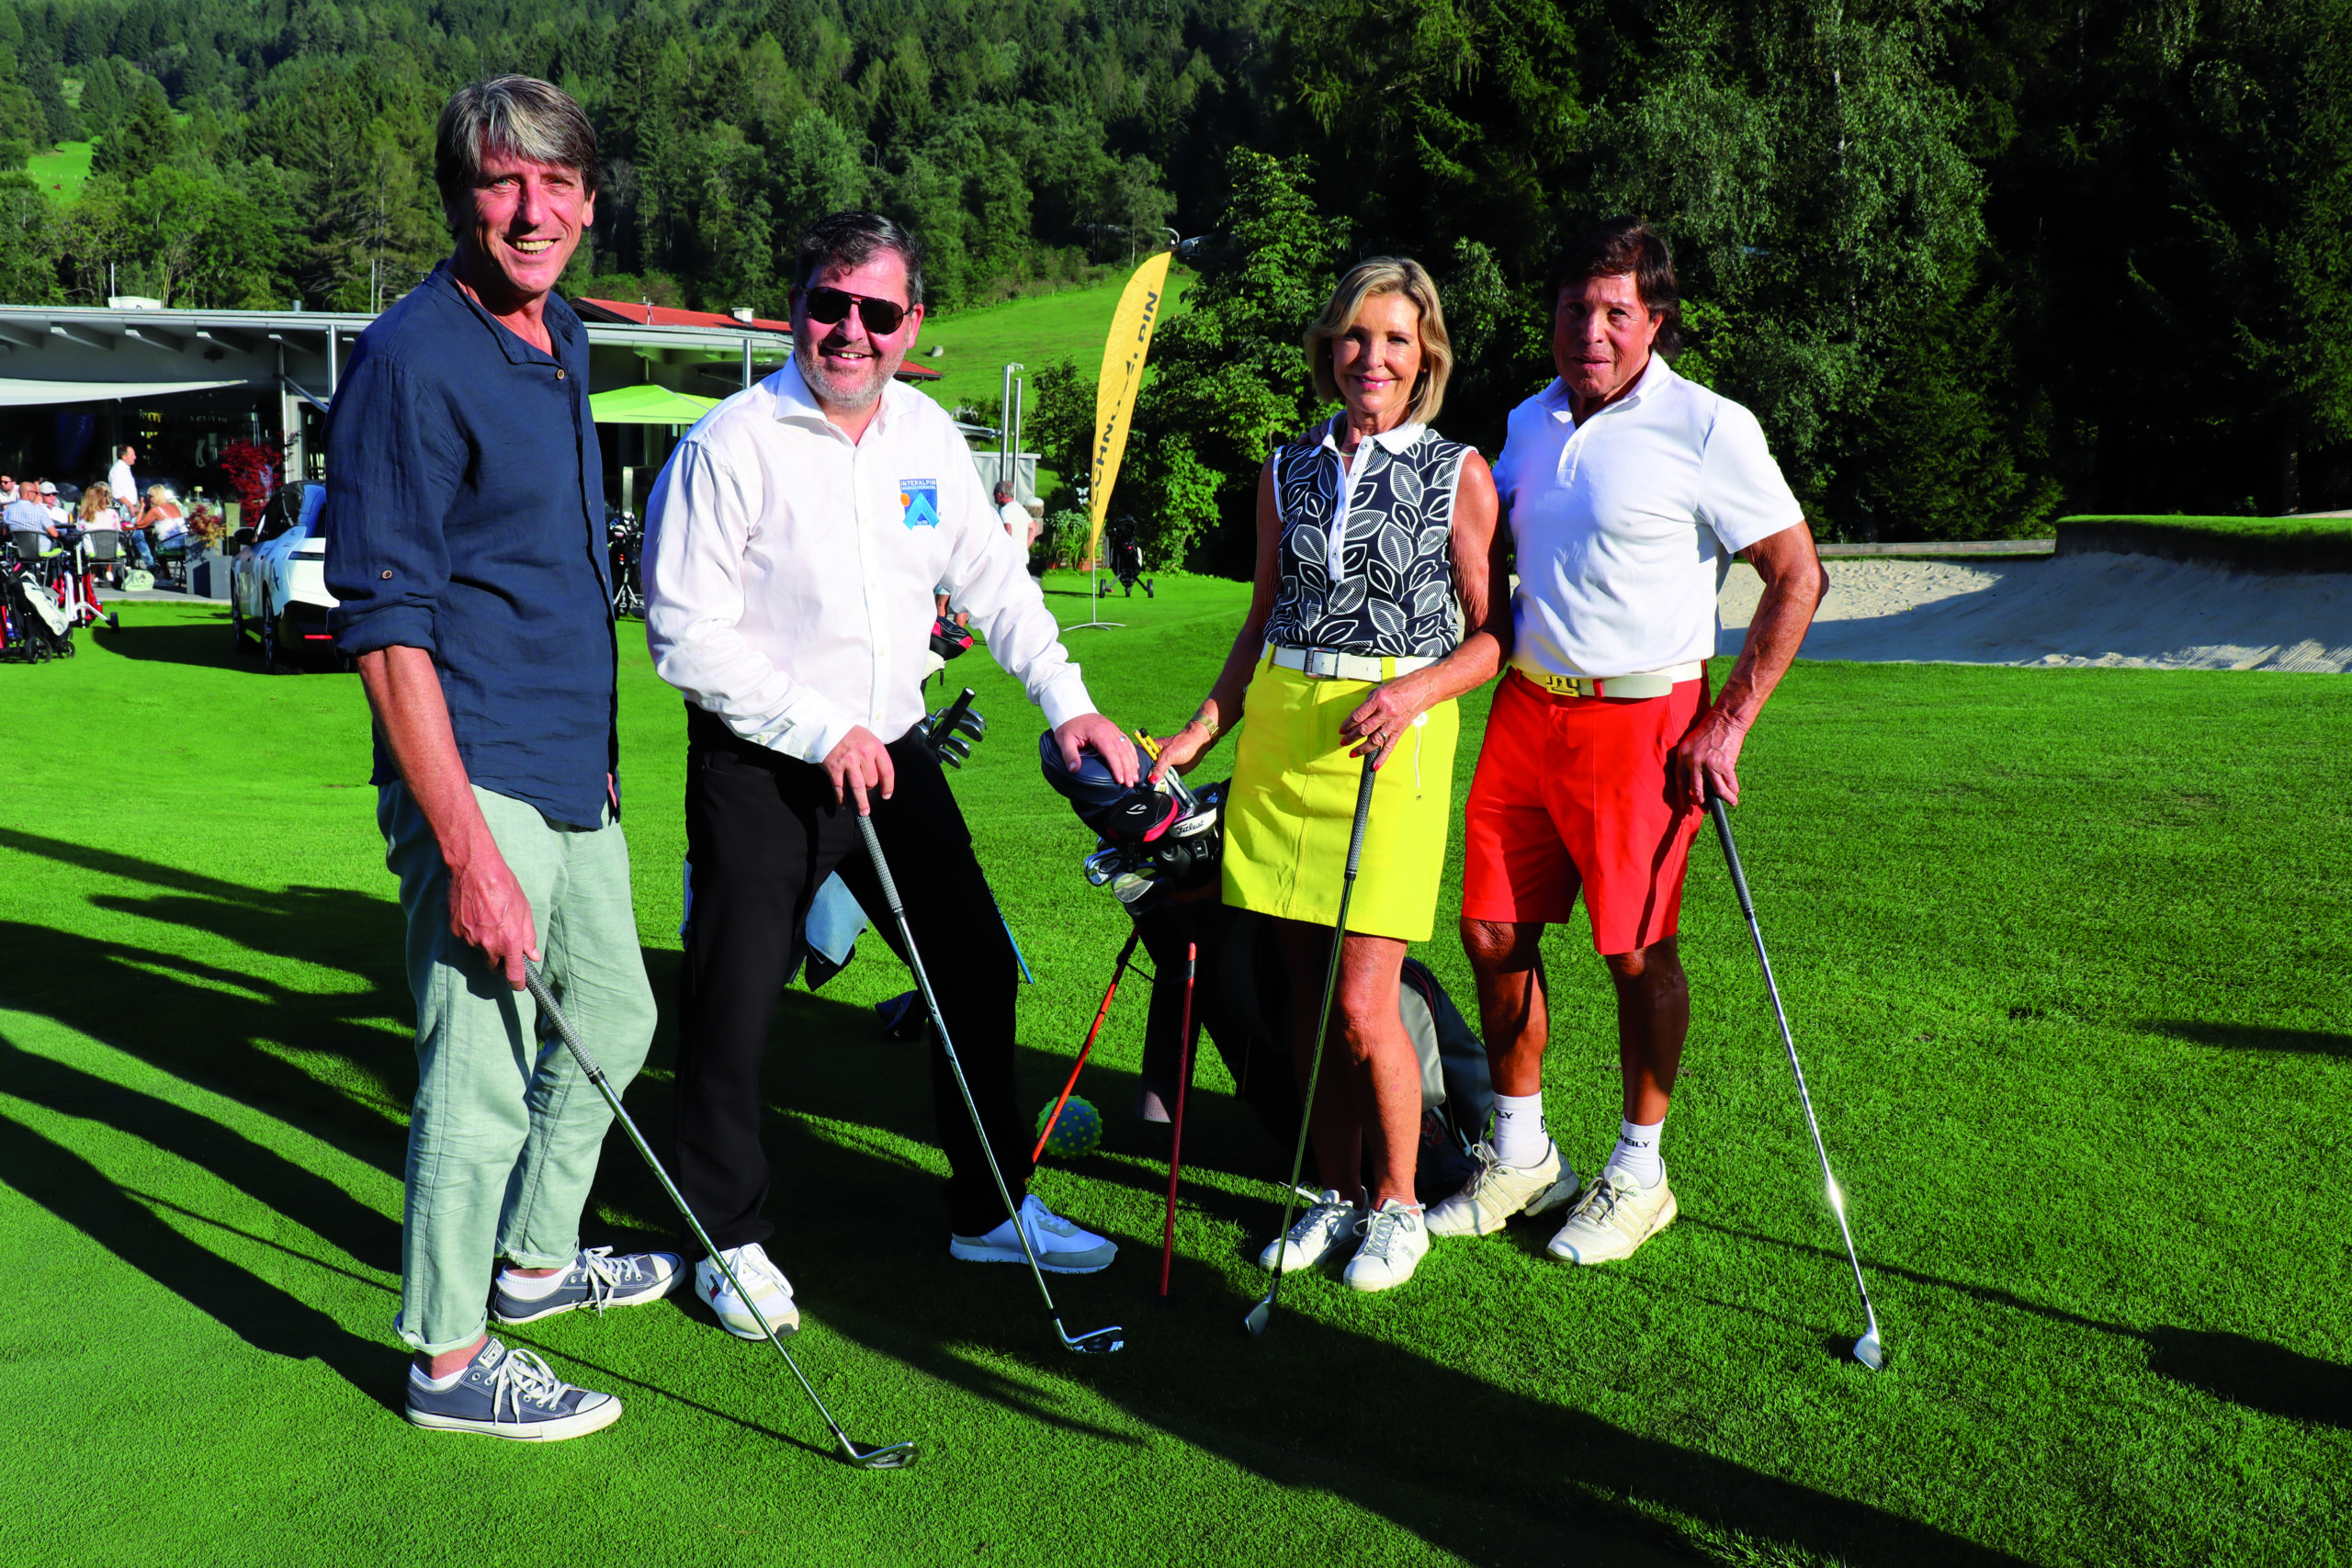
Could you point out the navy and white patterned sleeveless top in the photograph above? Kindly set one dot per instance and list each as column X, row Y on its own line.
column 1393, row 591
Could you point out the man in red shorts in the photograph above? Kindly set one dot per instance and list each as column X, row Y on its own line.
column 1628, row 489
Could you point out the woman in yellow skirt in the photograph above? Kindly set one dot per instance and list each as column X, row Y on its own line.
column 1377, row 553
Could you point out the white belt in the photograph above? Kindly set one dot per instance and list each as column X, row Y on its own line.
column 1330, row 664
column 1649, row 684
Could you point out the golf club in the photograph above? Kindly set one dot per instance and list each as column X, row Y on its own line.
column 1176, row 1147
column 1099, row 1342
column 1103, row 1012
column 864, row 1456
column 1264, row 1312
column 1867, row 1349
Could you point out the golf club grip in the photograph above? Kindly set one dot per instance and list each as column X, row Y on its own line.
column 881, row 866
column 540, row 995
column 951, row 713
column 1731, row 853
column 1364, row 816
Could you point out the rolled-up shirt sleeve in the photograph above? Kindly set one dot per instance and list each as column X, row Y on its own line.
column 697, row 526
column 393, row 466
column 987, row 577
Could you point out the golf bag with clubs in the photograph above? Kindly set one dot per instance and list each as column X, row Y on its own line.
column 1157, row 853
column 1126, row 558
column 37, row 626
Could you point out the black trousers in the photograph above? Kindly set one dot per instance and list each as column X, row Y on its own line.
column 763, row 833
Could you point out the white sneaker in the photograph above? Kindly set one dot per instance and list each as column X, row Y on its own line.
column 1319, row 1232
column 1500, row 1190
column 770, row 1290
column 1615, row 1215
column 1395, row 1242
column 1061, row 1247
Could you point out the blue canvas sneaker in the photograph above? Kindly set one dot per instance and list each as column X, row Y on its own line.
column 595, row 1279
column 510, row 1394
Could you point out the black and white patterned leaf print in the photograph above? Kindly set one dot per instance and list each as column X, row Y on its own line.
column 1393, row 591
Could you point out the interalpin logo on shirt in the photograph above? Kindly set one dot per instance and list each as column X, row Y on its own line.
column 921, row 498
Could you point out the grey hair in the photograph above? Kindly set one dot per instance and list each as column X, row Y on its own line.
column 519, row 116
column 851, row 240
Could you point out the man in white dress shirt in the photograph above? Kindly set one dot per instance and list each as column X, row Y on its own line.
column 793, row 544
column 119, row 481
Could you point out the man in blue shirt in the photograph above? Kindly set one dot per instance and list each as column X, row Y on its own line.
column 465, row 506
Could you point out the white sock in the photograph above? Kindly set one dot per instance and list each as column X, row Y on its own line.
column 416, row 1375
column 1520, row 1134
column 1636, row 1153
column 527, row 1287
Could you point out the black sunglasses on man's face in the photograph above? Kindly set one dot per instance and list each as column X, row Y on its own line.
column 827, row 306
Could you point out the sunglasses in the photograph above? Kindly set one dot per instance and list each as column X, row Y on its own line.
column 827, row 306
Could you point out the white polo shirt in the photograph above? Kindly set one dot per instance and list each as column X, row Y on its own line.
column 789, row 571
column 1626, row 524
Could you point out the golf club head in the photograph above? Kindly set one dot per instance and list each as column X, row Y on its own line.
column 973, row 725
column 868, row 1456
column 954, row 752
column 1102, row 1342
column 1259, row 1316
column 1869, row 1352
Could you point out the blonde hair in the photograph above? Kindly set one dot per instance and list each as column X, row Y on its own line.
column 1386, row 275
column 97, row 499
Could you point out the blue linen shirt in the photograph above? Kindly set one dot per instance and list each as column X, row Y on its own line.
column 465, row 516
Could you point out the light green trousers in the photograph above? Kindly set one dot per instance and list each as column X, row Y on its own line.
column 503, row 1136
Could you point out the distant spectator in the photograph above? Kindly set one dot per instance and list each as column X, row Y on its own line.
column 8, row 490
column 58, row 516
column 1017, row 521
column 29, row 526
column 119, row 480
column 158, row 527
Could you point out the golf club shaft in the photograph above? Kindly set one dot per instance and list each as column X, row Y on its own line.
column 595, row 1075
column 1120, row 969
column 1323, row 1019
column 1748, row 907
column 1026, row 976
column 1176, row 1143
column 938, row 1022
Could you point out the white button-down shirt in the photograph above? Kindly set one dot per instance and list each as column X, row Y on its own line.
column 789, row 570
column 1626, row 524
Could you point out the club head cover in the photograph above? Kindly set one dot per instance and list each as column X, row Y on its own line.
column 1124, row 814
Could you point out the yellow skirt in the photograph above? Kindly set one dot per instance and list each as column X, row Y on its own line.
column 1292, row 805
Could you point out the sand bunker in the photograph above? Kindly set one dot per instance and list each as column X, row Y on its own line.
column 2069, row 610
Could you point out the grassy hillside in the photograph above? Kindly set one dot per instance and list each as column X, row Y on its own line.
column 61, row 173
column 1036, row 330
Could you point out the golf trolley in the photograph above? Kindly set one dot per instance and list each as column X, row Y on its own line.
column 625, row 543
column 34, row 626
column 1126, row 561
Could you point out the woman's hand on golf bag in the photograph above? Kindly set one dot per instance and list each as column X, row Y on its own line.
column 1180, row 751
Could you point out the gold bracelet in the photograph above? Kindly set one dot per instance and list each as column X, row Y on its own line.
column 1202, row 719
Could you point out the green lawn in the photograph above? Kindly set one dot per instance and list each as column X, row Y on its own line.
column 1036, row 330
column 2065, row 950
column 61, row 173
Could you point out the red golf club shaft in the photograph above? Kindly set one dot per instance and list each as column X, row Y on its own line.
column 1076, row 1068
column 1176, row 1147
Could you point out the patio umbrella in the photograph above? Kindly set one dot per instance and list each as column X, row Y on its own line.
column 647, row 404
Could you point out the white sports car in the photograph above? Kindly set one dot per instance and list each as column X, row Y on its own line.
column 277, row 589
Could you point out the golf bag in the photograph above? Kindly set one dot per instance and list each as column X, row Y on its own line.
column 1126, row 558
column 1160, row 856
column 36, row 626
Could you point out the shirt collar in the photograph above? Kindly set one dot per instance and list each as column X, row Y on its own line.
column 797, row 404
column 1656, row 374
column 1391, row 441
column 561, row 323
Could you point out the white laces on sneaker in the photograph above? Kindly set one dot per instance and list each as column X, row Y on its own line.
column 607, row 1274
column 1601, row 1201
column 754, row 1268
column 1041, row 1218
column 1380, row 1228
column 522, row 1377
column 1317, row 1220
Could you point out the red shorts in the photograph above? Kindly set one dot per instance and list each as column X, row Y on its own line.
column 1571, row 793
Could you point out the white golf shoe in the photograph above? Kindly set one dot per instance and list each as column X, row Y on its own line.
column 769, row 1290
column 1061, row 1246
column 1326, row 1226
column 1395, row 1242
column 1615, row 1215
column 1500, row 1190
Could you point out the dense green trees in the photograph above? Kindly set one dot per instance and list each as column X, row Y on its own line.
column 1972, row 263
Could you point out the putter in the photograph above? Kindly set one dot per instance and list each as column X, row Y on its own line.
column 1868, row 1351
column 864, row 1456
column 1264, row 1312
column 1101, row 1341
column 1103, row 1012
column 1176, row 1148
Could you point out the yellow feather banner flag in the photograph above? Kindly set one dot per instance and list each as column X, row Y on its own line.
column 1114, row 395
